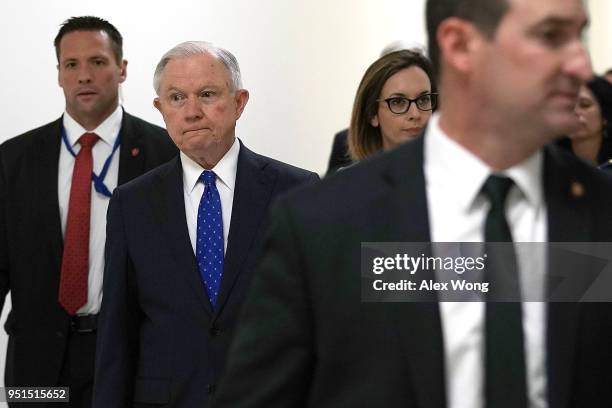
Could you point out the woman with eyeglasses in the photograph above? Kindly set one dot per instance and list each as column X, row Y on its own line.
column 394, row 101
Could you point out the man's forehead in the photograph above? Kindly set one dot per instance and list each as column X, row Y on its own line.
column 195, row 70
column 558, row 12
column 85, row 41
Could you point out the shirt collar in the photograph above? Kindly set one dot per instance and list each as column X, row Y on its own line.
column 107, row 131
column 225, row 169
column 444, row 156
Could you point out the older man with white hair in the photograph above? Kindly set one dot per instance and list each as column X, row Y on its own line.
column 183, row 240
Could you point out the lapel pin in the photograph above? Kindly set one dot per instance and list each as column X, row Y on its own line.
column 135, row 152
column 577, row 189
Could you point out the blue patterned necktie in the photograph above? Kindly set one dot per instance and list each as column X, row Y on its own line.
column 209, row 246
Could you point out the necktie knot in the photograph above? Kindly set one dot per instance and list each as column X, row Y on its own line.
column 496, row 189
column 88, row 140
column 208, row 177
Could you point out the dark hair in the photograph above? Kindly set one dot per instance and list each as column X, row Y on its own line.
column 365, row 139
column 602, row 90
column 484, row 14
column 91, row 23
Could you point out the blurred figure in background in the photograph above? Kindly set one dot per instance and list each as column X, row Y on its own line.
column 339, row 156
column 608, row 75
column 394, row 101
column 594, row 109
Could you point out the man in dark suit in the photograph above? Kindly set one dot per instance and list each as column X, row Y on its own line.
column 339, row 156
column 183, row 241
column 52, row 217
column 510, row 74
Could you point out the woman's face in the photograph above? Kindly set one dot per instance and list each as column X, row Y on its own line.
column 411, row 83
column 589, row 114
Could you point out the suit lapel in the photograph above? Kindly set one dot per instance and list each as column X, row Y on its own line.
column 46, row 167
column 169, row 203
column 131, row 151
column 252, row 194
column 418, row 324
column 568, row 221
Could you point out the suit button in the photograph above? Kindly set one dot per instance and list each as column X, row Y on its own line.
column 210, row 388
column 214, row 331
column 59, row 334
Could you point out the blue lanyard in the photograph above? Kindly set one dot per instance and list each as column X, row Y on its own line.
column 98, row 181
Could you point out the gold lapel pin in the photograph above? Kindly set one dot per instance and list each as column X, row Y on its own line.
column 135, row 152
column 577, row 189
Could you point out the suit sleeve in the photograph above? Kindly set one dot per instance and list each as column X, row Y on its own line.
column 4, row 251
column 119, row 319
column 270, row 361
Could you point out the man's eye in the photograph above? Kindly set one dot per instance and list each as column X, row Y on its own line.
column 553, row 37
column 176, row 97
column 99, row 62
column 70, row 64
column 207, row 94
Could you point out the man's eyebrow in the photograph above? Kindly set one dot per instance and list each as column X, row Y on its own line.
column 173, row 89
column 556, row 21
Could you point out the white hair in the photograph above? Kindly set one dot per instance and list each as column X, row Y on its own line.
column 191, row 48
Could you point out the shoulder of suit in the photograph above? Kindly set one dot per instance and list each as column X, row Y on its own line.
column 28, row 142
column 151, row 178
column 564, row 160
column 345, row 189
column 269, row 163
column 33, row 135
column 142, row 125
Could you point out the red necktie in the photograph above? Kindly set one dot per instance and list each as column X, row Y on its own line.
column 75, row 261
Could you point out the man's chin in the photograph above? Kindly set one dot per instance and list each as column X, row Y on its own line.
column 564, row 123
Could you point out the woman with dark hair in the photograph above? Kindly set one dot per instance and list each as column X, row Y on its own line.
column 394, row 101
column 594, row 109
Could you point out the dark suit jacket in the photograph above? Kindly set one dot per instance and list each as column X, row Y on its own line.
column 339, row 156
column 31, row 241
column 159, row 342
column 307, row 340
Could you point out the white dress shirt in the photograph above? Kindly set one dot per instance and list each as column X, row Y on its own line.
column 107, row 131
column 457, row 212
column 193, row 189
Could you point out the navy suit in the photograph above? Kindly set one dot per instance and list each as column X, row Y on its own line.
column 307, row 340
column 159, row 342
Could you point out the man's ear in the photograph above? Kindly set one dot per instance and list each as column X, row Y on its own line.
column 123, row 73
column 459, row 42
column 241, row 98
column 157, row 104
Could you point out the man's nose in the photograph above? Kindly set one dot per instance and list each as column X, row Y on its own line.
column 193, row 109
column 84, row 75
column 578, row 63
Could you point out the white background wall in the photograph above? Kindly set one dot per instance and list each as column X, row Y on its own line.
column 301, row 60
column 599, row 35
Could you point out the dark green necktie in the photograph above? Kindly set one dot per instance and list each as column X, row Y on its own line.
column 505, row 378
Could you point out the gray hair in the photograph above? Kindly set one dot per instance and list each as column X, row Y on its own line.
column 191, row 48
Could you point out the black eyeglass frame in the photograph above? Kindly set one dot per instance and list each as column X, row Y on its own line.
column 432, row 95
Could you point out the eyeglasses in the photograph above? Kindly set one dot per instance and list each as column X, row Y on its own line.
column 400, row 104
